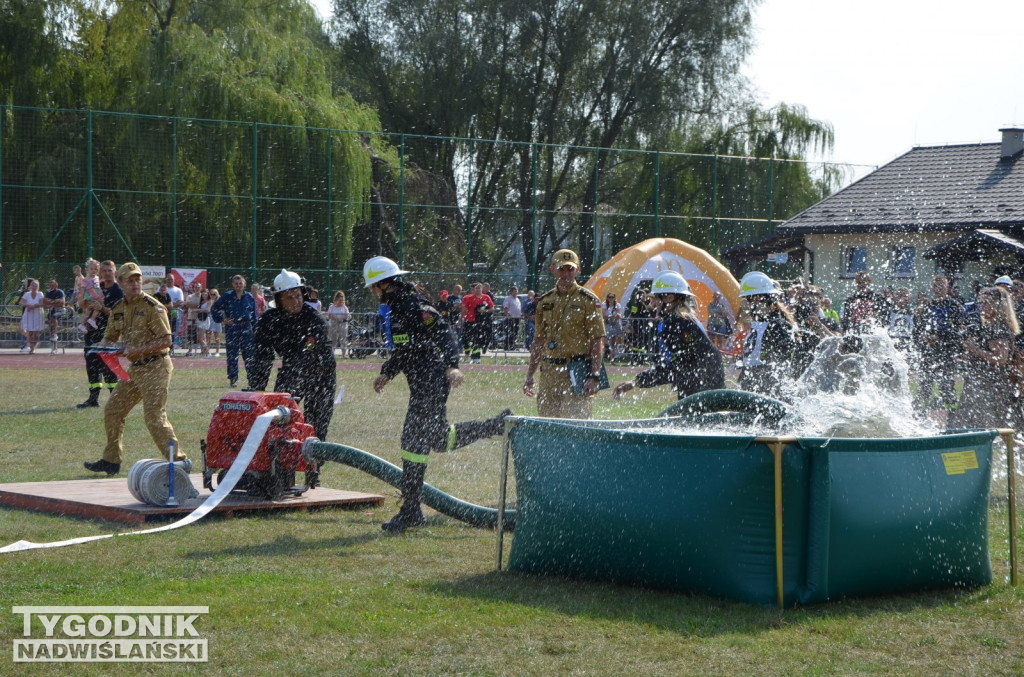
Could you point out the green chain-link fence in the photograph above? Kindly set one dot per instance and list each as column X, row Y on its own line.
column 245, row 197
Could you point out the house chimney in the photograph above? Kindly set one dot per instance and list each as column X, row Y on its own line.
column 1013, row 142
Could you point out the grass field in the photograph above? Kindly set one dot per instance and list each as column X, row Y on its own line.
column 328, row 593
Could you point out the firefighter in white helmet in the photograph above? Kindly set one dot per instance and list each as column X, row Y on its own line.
column 768, row 348
column 426, row 352
column 686, row 357
column 297, row 333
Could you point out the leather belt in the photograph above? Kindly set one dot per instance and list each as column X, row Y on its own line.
column 562, row 360
column 147, row 360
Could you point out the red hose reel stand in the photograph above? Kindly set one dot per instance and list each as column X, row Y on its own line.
column 271, row 472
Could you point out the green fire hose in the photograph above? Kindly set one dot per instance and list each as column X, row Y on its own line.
column 707, row 406
column 474, row 515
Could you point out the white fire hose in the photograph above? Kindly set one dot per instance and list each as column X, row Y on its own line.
column 241, row 463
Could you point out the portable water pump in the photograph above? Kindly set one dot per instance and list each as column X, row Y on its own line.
column 271, row 473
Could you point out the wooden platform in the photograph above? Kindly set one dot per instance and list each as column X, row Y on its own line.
column 109, row 499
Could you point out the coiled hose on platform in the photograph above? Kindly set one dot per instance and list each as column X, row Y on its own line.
column 474, row 515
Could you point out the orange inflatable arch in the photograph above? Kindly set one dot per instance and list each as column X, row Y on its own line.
column 644, row 261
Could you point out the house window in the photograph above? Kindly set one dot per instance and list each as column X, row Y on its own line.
column 855, row 259
column 902, row 262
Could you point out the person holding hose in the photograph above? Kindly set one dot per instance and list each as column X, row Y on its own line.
column 296, row 332
column 426, row 352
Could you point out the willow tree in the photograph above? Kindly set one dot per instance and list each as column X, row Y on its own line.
column 560, row 76
column 233, row 162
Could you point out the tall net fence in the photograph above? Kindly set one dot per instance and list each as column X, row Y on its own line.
column 244, row 197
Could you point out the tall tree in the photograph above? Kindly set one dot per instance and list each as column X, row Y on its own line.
column 560, row 75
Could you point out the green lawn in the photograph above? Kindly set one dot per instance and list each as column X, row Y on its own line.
column 329, row 593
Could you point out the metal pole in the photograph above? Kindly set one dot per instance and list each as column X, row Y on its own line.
column 2, row 196
column 401, row 200
column 174, row 193
column 593, row 208
column 255, row 196
column 330, row 212
column 771, row 193
column 502, row 490
column 714, row 206
column 88, row 182
column 533, row 218
column 469, row 215
column 657, row 194
column 1011, row 488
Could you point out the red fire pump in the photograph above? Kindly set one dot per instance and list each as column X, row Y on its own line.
column 271, row 473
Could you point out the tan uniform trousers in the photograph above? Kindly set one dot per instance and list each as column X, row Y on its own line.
column 149, row 384
column 555, row 398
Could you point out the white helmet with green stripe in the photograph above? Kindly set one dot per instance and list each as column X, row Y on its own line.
column 756, row 283
column 380, row 268
column 670, row 282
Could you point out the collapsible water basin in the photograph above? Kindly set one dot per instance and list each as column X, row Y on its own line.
column 644, row 506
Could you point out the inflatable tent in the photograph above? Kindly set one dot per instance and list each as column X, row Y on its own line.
column 642, row 262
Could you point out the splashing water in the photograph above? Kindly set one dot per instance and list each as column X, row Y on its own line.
column 856, row 386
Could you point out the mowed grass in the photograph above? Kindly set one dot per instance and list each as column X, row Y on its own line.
column 328, row 593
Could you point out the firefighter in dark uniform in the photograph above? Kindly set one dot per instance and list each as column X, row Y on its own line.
column 569, row 326
column 427, row 353
column 140, row 322
column 297, row 333
column 98, row 372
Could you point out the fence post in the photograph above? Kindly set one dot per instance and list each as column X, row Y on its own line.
column 174, row 193
column 401, row 200
column 533, row 218
column 330, row 211
column 88, row 181
column 714, row 206
column 3, row 118
column 657, row 194
column 771, row 193
column 255, row 196
column 469, row 215
column 593, row 212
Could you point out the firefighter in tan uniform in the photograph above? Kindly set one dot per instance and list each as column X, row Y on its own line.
column 140, row 322
column 569, row 325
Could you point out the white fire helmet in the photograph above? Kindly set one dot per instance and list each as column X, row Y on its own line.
column 286, row 280
column 670, row 282
column 1004, row 280
column 756, row 283
column 380, row 268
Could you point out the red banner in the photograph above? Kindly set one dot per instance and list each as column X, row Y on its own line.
column 110, row 359
column 184, row 277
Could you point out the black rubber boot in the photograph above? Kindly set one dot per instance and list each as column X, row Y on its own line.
column 410, row 514
column 93, row 401
column 468, row 432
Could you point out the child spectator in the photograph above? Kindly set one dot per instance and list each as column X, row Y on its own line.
column 87, row 288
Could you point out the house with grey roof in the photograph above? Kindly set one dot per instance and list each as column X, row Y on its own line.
column 957, row 209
